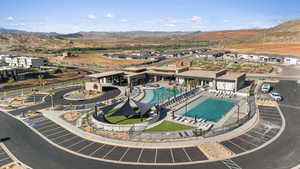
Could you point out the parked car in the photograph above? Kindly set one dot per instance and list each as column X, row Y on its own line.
column 276, row 96
column 266, row 88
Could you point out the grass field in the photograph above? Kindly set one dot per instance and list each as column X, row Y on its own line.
column 169, row 126
column 132, row 119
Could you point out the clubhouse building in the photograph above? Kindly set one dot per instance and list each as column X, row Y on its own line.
column 217, row 80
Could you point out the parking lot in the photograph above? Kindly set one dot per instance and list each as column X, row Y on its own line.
column 68, row 140
column 267, row 128
column 4, row 158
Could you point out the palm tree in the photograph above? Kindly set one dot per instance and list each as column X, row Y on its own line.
column 5, row 93
column 40, row 78
column 10, row 81
column 34, row 93
column 174, row 90
column 82, row 83
column 169, row 93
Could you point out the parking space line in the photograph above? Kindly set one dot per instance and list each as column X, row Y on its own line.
column 62, row 136
column 124, row 154
column 44, row 131
column 92, row 153
column 271, row 118
column 48, row 135
column 2, row 153
column 187, row 154
column 260, row 138
column 262, row 134
column 138, row 160
column 155, row 155
column 231, row 164
column 246, row 141
column 173, row 160
column 69, row 146
column 259, row 129
column 3, row 159
column 238, row 146
column 270, row 114
column 112, row 149
column 43, row 123
column 86, row 146
column 45, row 127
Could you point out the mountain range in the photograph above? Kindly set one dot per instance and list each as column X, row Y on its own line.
column 14, row 40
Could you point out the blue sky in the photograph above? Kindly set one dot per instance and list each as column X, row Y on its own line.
column 68, row 16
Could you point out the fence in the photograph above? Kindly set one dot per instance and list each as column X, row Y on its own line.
column 240, row 122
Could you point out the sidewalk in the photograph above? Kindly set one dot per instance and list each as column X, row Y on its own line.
column 56, row 117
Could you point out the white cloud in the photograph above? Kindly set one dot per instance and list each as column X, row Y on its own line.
column 196, row 18
column 169, row 25
column 124, row 20
column 10, row 18
column 226, row 20
column 109, row 15
column 18, row 24
column 91, row 16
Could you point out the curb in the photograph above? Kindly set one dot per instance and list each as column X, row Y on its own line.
column 2, row 145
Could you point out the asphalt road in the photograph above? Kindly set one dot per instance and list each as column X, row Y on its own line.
column 59, row 100
column 283, row 153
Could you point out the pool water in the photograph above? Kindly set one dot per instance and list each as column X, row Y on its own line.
column 151, row 95
column 211, row 109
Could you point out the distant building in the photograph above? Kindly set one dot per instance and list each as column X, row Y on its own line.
column 66, row 54
column 24, row 62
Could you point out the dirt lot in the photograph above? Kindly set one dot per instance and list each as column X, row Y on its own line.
column 94, row 59
column 278, row 48
column 56, row 78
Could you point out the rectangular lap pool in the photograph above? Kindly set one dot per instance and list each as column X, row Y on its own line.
column 151, row 95
column 211, row 109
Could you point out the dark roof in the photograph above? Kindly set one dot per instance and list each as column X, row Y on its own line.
column 144, row 108
column 106, row 109
column 127, row 109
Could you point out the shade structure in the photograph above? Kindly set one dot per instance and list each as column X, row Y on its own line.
column 125, row 110
column 106, row 109
column 144, row 108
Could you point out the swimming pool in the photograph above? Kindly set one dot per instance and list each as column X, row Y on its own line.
column 211, row 109
column 151, row 95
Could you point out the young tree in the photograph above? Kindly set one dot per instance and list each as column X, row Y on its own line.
column 10, row 81
column 174, row 90
column 40, row 78
column 169, row 93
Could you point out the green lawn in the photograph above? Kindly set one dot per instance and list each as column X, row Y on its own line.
column 169, row 126
column 125, row 119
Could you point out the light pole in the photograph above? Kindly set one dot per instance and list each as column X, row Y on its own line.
column 34, row 93
column 238, row 113
column 186, row 104
column 51, row 96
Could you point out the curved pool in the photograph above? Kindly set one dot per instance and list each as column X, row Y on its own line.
column 152, row 95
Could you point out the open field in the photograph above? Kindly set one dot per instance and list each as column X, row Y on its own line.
column 34, row 82
column 94, row 59
column 271, row 48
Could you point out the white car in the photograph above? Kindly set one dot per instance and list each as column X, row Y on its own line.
column 266, row 88
column 276, row 96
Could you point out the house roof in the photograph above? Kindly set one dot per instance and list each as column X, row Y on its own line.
column 230, row 76
column 198, row 74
